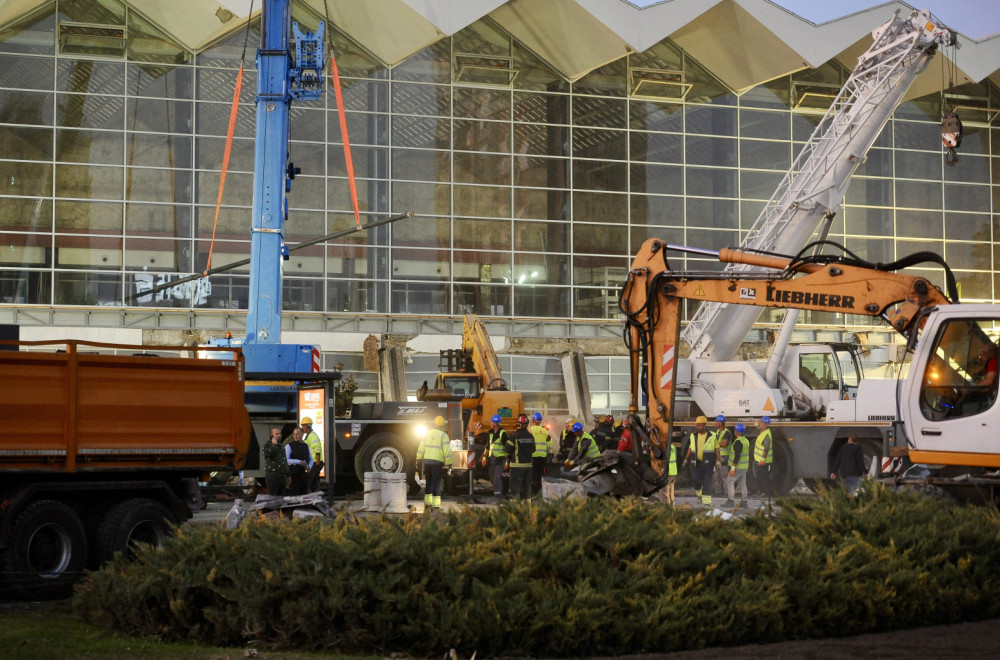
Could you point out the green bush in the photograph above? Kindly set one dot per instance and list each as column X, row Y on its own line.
column 567, row 578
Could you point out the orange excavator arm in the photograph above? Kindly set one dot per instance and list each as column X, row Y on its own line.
column 652, row 294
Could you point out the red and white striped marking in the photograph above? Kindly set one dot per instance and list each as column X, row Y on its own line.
column 891, row 464
column 317, row 361
column 667, row 367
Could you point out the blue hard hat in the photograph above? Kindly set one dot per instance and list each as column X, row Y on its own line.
column 496, row 419
column 765, row 419
column 537, row 417
column 721, row 418
column 740, row 428
column 577, row 427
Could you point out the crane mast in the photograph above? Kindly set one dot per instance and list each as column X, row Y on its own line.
column 814, row 187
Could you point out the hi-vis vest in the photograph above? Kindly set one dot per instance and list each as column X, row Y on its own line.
column 592, row 450
column 763, row 450
column 435, row 447
column 720, row 435
column 543, row 444
column 672, row 463
column 743, row 462
column 497, row 440
column 702, row 444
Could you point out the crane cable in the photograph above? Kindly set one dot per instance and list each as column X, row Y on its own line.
column 233, row 111
column 342, row 116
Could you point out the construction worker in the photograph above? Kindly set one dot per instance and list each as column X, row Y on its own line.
column 566, row 441
column 311, row 438
column 585, row 449
column 625, row 443
column 723, row 437
column 496, row 454
column 601, row 434
column 763, row 456
column 543, row 449
column 671, row 472
column 300, row 460
column 433, row 456
column 701, row 445
column 739, row 463
column 520, row 448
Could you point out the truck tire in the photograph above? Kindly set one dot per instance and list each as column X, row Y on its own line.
column 138, row 520
column 48, row 550
column 387, row 452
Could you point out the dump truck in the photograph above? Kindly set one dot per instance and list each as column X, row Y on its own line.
column 101, row 451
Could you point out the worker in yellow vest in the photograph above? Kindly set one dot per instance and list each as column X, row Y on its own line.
column 701, row 447
column 496, row 454
column 433, row 456
column 671, row 472
column 763, row 456
column 723, row 436
column 585, row 448
column 739, row 463
column 543, row 449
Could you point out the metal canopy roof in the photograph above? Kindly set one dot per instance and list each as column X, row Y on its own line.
column 742, row 42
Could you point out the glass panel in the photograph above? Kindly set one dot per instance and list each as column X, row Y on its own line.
column 158, row 219
column 710, row 120
column 420, row 99
column 33, row 34
column 490, row 202
column 89, row 182
column 656, row 116
column 541, row 204
column 967, row 226
column 482, row 136
column 913, row 135
column 657, row 147
column 537, row 268
column 600, row 206
column 211, row 150
column 765, row 155
column 32, row 108
column 536, row 172
column 146, row 43
column 432, row 64
column 300, row 294
column 597, row 143
column 658, row 179
column 477, row 233
column 547, row 109
column 482, row 103
column 216, row 85
column 238, row 192
column 413, row 298
column 159, row 150
column 600, row 239
column 213, row 119
column 869, row 192
column 595, row 303
column 879, row 250
column 773, row 94
column 720, row 213
column 919, row 224
column 764, row 125
column 974, row 169
column 176, row 82
column 482, row 299
column 24, row 179
column 234, row 223
column 919, row 165
column 307, row 192
column 93, row 76
column 649, row 209
column 421, row 198
column 368, row 162
column 79, row 111
column 710, row 151
column 357, row 296
column 158, row 185
column 600, row 175
column 919, row 195
column 310, row 157
column 868, row 222
column 541, row 140
column 423, row 132
column 80, row 288
column 481, row 168
column 306, row 123
column 710, row 182
column 608, row 80
column 160, row 116
column 303, row 226
column 25, row 73
column 601, row 112
column 88, row 217
column 541, row 236
column 877, row 163
column 966, row 198
column 27, row 215
column 541, row 301
column 25, row 287
column 976, row 256
column 759, row 185
column 154, row 255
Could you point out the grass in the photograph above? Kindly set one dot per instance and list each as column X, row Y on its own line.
column 50, row 631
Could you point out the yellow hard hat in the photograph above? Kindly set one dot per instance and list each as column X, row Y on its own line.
column 307, row 420
column 701, row 420
column 570, row 422
column 439, row 421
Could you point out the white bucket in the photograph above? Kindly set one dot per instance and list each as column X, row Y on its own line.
column 394, row 492
column 373, row 491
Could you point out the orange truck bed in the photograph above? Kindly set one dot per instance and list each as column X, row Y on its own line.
column 77, row 411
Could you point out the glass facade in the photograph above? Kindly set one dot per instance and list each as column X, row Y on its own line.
column 530, row 193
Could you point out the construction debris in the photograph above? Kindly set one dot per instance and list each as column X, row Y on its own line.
column 312, row 505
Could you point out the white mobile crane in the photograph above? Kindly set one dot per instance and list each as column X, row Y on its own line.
column 799, row 384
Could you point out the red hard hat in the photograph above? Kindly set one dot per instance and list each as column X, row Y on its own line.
column 522, row 419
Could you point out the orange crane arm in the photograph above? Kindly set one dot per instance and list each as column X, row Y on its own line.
column 476, row 342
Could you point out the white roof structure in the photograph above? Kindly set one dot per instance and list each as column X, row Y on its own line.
column 743, row 42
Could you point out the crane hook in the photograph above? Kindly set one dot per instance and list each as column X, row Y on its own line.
column 951, row 136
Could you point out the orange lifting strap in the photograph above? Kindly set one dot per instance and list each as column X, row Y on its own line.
column 225, row 161
column 342, row 114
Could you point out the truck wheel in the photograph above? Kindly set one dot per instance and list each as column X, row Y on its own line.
column 387, row 452
column 138, row 520
column 48, row 550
